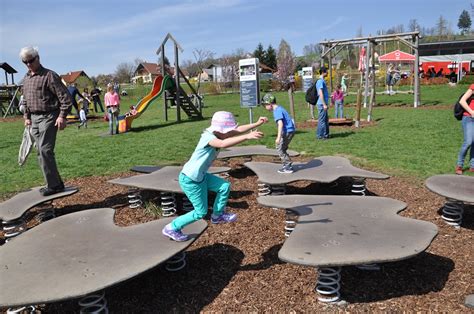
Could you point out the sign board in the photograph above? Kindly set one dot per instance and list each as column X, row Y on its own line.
column 307, row 78
column 249, row 83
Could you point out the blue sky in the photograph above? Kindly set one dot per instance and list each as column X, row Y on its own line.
column 95, row 36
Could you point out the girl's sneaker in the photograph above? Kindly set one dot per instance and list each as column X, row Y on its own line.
column 173, row 234
column 458, row 170
column 224, row 218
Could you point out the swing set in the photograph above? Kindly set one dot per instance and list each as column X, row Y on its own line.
column 367, row 65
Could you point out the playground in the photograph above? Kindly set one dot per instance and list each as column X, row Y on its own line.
column 367, row 222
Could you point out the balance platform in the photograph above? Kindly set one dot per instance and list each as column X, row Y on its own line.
column 163, row 179
column 18, row 205
column 252, row 150
column 80, row 253
column 335, row 231
column 150, row 169
column 324, row 169
column 458, row 191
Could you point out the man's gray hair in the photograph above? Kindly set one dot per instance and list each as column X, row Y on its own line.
column 28, row 52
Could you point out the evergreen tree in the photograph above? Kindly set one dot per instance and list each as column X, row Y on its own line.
column 270, row 58
column 464, row 23
column 259, row 53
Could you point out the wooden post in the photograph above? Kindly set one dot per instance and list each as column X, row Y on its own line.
column 178, row 87
column 372, row 81
column 366, row 89
column 163, row 74
column 358, row 107
column 416, row 101
column 292, row 103
column 331, row 88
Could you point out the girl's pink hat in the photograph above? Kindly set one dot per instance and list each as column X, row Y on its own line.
column 223, row 122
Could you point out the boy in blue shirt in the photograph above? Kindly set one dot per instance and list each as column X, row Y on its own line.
column 286, row 130
column 196, row 182
column 322, row 131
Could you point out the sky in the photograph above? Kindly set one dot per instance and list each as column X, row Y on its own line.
column 97, row 35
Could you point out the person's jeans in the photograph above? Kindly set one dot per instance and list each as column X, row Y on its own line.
column 44, row 132
column 197, row 193
column 468, row 132
column 112, row 119
column 282, row 148
column 322, row 130
column 339, row 106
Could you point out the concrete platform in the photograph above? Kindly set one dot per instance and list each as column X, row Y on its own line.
column 150, row 169
column 452, row 186
column 19, row 204
column 80, row 253
column 322, row 169
column 164, row 179
column 350, row 230
column 252, row 150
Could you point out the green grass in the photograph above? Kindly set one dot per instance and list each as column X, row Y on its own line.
column 405, row 141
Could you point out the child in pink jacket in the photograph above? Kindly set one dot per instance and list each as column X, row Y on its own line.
column 337, row 98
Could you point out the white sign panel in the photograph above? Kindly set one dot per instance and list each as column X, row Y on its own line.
column 249, row 83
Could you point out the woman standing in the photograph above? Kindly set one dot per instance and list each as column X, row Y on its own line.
column 112, row 103
column 467, row 102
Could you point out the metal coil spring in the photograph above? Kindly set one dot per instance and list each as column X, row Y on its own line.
column 368, row 267
column 23, row 309
column 168, row 203
column 453, row 211
column 358, row 186
column 264, row 189
column 290, row 222
column 134, row 198
column 46, row 214
column 177, row 262
column 328, row 284
column 12, row 228
column 94, row 303
column 278, row 189
column 187, row 205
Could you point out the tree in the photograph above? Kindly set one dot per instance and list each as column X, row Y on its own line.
column 413, row 25
column 259, row 53
column 464, row 22
column 285, row 61
column 271, row 58
column 359, row 32
column 312, row 53
column 203, row 58
column 441, row 27
column 124, row 72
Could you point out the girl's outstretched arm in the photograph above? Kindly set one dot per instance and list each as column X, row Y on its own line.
column 246, row 127
column 231, row 141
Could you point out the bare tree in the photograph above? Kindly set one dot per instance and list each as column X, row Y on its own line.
column 359, row 32
column 442, row 27
column 285, row 61
column 201, row 56
column 413, row 25
column 124, row 72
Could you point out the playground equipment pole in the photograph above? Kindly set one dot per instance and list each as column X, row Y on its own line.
column 178, row 87
column 417, row 72
column 330, row 73
column 358, row 107
column 372, row 80
column 366, row 91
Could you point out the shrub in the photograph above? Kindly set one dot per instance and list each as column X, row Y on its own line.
column 468, row 79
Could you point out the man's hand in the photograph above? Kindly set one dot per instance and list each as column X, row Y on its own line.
column 278, row 140
column 27, row 122
column 325, row 107
column 60, row 123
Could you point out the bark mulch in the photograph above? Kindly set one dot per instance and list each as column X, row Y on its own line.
column 235, row 267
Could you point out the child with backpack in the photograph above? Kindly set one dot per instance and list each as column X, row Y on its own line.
column 467, row 102
column 286, row 131
column 196, row 182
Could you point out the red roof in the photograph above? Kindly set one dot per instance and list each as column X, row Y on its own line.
column 397, row 56
column 71, row 77
column 152, row 68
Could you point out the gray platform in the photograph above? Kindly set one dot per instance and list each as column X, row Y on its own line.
column 164, row 179
column 455, row 187
column 19, row 204
column 150, row 169
column 252, row 150
column 350, row 230
column 322, row 169
column 80, row 253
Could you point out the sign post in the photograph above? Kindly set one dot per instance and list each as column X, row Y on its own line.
column 249, row 84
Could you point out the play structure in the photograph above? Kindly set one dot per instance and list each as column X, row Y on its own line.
column 160, row 84
column 168, row 85
column 367, row 59
column 9, row 92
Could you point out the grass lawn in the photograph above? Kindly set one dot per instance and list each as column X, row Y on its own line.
column 404, row 141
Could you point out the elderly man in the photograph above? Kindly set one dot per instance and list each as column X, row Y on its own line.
column 47, row 103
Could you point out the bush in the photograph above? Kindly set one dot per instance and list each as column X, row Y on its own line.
column 434, row 81
column 468, row 79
